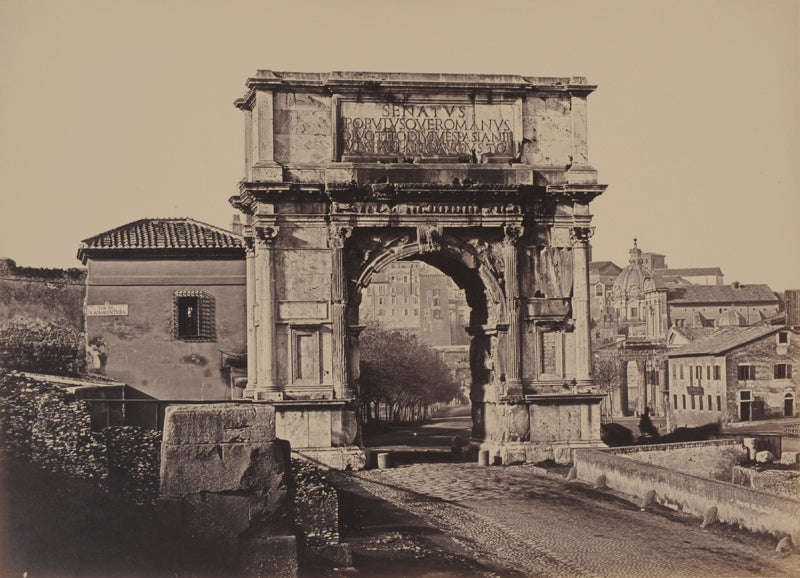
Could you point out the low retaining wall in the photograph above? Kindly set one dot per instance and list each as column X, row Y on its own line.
column 713, row 459
column 752, row 509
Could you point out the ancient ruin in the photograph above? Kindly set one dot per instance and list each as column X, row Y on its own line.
column 485, row 177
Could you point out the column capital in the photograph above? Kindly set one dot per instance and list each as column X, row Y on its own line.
column 512, row 234
column 266, row 234
column 338, row 235
column 579, row 236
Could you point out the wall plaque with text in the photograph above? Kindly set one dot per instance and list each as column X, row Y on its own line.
column 106, row 309
column 425, row 131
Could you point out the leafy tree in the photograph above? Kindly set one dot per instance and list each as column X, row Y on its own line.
column 402, row 375
column 606, row 376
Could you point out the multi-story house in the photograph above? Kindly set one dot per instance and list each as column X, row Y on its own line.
column 735, row 374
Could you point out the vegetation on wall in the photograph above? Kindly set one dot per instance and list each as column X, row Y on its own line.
column 40, row 347
column 43, row 295
column 401, row 377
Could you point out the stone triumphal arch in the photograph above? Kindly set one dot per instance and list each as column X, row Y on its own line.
column 485, row 177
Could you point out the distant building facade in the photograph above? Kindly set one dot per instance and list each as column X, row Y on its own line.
column 656, row 308
column 413, row 296
column 735, row 374
column 165, row 308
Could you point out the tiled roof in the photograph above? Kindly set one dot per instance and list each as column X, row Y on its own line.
column 690, row 272
column 164, row 234
column 695, row 333
column 724, row 340
column 721, row 294
column 596, row 266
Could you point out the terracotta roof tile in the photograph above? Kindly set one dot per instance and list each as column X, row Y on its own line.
column 689, row 272
column 724, row 340
column 721, row 294
column 164, row 234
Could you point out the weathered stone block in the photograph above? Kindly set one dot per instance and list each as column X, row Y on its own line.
column 188, row 469
column 218, row 423
column 764, row 457
column 344, row 428
column 270, row 556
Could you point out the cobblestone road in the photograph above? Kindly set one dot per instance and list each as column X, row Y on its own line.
column 545, row 526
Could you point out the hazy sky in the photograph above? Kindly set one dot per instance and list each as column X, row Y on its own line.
column 114, row 111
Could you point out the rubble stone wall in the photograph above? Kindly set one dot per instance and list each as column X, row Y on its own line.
column 47, row 426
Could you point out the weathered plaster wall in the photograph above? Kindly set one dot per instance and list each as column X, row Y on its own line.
column 706, row 459
column 764, row 354
column 141, row 347
column 752, row 509
column 692, row 417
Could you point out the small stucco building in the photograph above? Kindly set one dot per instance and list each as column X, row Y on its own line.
column 735, row 374
column 166, row 308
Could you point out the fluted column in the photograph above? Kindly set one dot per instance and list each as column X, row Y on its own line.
column 580, row 303
column 514, row 339
column 267, row 387
column 252, row 344
column 341, row 383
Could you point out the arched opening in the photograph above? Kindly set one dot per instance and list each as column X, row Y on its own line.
column 788, row 405
column 440, row 297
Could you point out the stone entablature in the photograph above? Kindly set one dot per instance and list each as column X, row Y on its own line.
column 320, row 127
column 485, row 177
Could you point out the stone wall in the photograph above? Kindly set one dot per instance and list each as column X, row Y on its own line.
column 783, row 482
column 46, row 425
column 706, row 459
column 752, row 509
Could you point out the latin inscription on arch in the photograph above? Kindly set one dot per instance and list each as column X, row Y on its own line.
column 426, row 130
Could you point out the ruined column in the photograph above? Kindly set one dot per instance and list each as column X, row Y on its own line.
column 512, row 234
column 341, row 384
column 267, row 387
column 252, row 344
column 580, row 304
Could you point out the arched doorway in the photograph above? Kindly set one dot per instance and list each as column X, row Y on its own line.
column 373, row 251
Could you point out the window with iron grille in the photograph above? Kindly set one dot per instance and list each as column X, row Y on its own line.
column 194, row 316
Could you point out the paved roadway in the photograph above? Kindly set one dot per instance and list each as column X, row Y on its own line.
column 541, row 525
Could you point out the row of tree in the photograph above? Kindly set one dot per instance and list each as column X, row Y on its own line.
column 402, row 378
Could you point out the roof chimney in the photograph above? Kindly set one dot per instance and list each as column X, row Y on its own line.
column 735, row 284
column 236, row 224
column 792, row 300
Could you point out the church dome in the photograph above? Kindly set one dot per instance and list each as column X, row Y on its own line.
column 630, row 282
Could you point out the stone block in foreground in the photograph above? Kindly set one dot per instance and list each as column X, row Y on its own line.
column 225, row 481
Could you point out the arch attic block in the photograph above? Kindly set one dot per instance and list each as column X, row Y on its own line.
column 487, row 178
